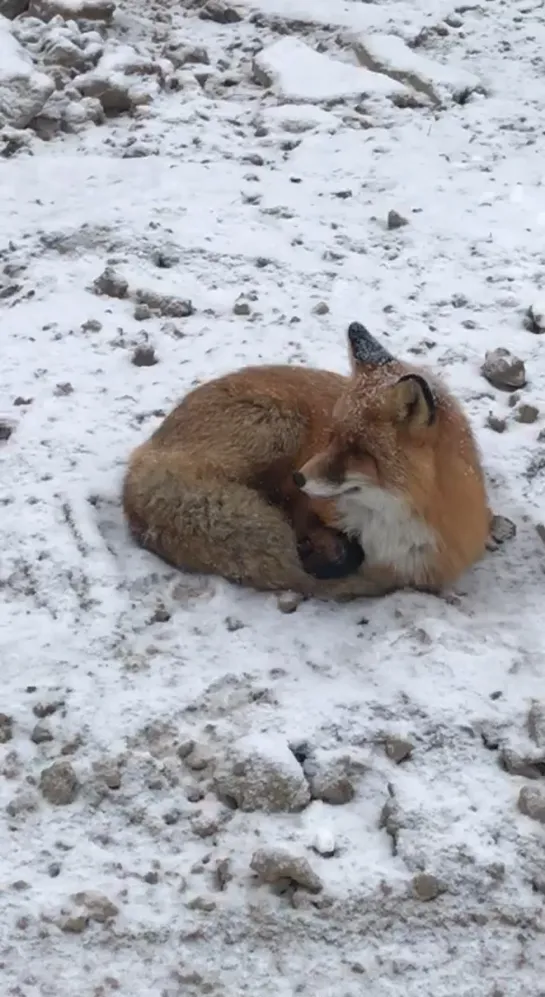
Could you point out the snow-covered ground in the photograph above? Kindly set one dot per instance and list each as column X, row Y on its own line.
column 260, row 191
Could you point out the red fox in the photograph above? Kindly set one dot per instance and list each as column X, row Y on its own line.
column 282, row 477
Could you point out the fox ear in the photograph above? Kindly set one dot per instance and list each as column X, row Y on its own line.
column 413, row 401
column 365, row 348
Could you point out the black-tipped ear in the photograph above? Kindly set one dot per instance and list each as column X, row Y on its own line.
column 414, row 401
column 365, row 348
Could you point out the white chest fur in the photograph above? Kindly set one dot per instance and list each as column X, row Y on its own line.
column 387, row 529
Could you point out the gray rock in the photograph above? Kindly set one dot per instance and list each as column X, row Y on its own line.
column 289, row 602
column 531, row 803
column 329, row 779
column 12, row 8
column 59, row 784
column 275, row 864
column 43, row 710
column 6, row 728
column 142, row 312
column 73, row 10
column 535, row 318
column 322, row 308
column 503, row 370
column 107, row 773
column 97, row 906
column 495, row 423
column 41, row 734
column 23, row 89
column 73, row 924
column 398, row 749
column 219, row 11
column 324, row 843
column 261, row 773
column 184, row 55
column 241, row 307
column 390, row 54
column 111, row 284
column 527, row 414
column 391, row 821
column 198, row 759
column 502, row 529
column 206, row 825
column 395, row 220
column 165, row 304
column 426, row 887
column 222, row 874
column 24, row 802
column 523, row 765
column 144, row 356
column 536, row 723
column 206, row 904
column 185, row 748
column 63, row 52
column 114, row 95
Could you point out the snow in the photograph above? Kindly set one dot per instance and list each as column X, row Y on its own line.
column 23, row 90
column 209, row 193
column 298, row 73
column 390, row 54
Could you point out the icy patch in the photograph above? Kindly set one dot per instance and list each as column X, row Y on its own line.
column 390, row 55
column 23, row 89
column 295, row 72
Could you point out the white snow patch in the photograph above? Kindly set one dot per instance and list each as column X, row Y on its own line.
column 296, row 72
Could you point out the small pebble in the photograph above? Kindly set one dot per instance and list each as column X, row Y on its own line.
column 321, row 308
column 241, row 307
column 398, row 749
column 142, row 312
column 495, row 423
column 274, row 864
column 426, row 887
column 502, row 529
column 41, row 734
column 59, row 784
column 289, row 602
column 395, row 220
column 531, row 803
column 6, row 728
column 536, row 723
column 535, row 318
column 324, row 842
column 111, row 284
column 144, row 356
column 5, row 430
column 527, row 414
column 503, row 370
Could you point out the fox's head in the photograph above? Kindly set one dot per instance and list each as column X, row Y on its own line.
column 383, row 430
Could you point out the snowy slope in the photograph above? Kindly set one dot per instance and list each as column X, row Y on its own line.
column 128, row 869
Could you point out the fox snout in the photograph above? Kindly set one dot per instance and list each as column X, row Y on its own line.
column 318, row 478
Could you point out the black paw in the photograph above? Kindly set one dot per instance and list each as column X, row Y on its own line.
column 343, row 557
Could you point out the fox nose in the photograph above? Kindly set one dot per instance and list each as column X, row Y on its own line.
column 299, row 479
